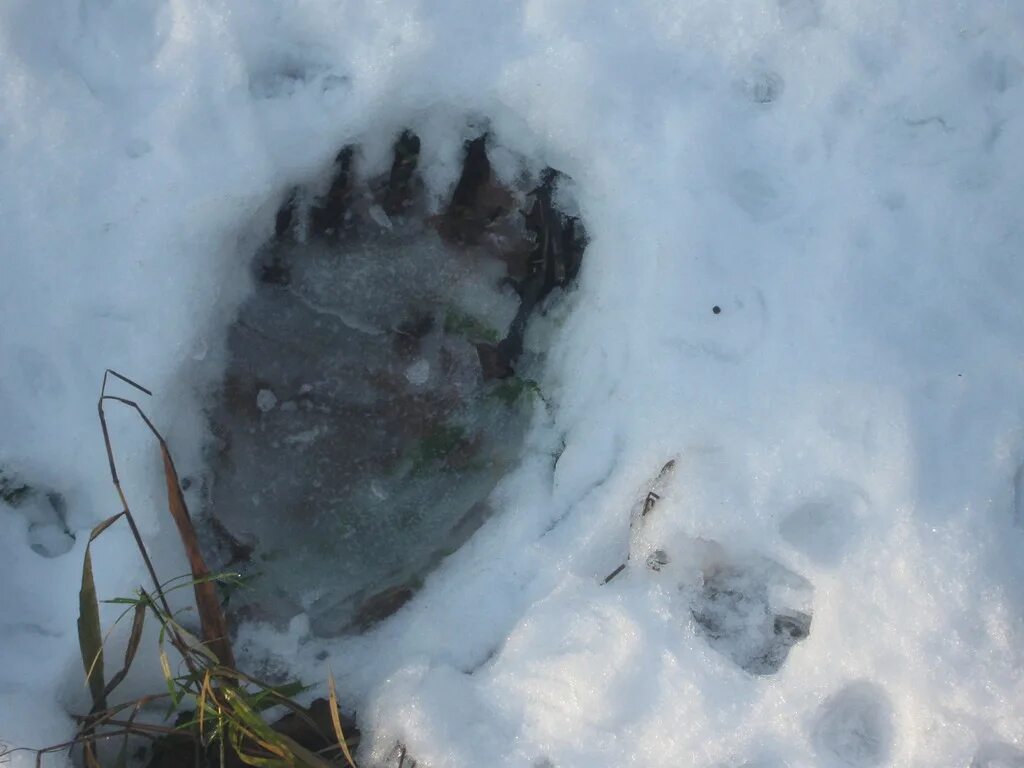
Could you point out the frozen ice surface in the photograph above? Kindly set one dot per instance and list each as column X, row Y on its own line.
column 374, row 471
column 396, row 342
column 842, row 180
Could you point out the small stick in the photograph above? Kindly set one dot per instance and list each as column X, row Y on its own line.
column 613, row 574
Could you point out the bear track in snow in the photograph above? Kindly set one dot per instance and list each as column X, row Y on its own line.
column 377, row 386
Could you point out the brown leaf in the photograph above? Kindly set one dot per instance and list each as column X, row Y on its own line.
column 133, row 646
column 90, row 635
column 211, row 617
column 88, row 752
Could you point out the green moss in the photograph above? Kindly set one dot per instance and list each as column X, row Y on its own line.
column 458, row 323
column 511, row 389
column 439, row 443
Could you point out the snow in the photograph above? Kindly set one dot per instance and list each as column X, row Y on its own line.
column 842, row 179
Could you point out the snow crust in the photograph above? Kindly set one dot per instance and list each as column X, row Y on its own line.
column 843, row 180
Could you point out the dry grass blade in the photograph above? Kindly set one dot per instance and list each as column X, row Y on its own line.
column 304, row 756
column 249, row 729
column 134, row 637
column 186, row 642
column 88, row 752
column 101, row 527
column 125, row 379
column 125, row 510
column 90, row 633
column 230, row 705
column 336, row 720
column 165, row 668
column 238, row 744
column 205, row 692
column 211, row 617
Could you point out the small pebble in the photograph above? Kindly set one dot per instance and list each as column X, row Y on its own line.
column 265, row 400
column 418, row 372
column 379, row 217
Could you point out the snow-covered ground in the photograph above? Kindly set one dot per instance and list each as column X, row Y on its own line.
column 844, row 180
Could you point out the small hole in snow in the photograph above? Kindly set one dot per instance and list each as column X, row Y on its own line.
column 716, row 309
